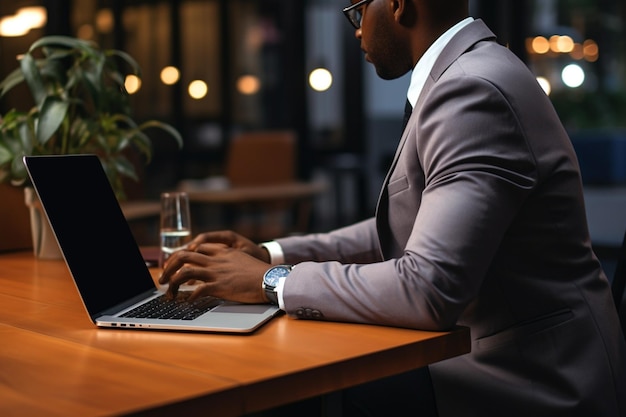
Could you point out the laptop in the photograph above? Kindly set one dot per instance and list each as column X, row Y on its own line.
column 106, row 263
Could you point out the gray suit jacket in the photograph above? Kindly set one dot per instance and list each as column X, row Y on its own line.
column 481, row 222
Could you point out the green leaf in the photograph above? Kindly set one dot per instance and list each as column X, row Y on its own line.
column 80, row 131
column 124, row 167
column 92, row 77
column 51, row 116
column 127, row 120
column 11, row 119
column 66, row 41
column 5, row 155
column 57, row 54
column 11, row 80
column 26, row 137
column 128, row 59
column 18, row 170
column 141, row 142
column 33, row 78
column 118, row 79
column 164, row 126
column 53, row 71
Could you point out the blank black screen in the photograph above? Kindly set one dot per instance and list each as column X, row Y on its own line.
column 94, row 236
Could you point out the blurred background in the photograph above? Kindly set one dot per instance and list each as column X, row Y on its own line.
column 217, row 68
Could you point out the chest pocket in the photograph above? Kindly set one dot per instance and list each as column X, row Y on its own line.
column 397, row 185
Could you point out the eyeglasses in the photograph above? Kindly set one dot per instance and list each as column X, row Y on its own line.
column 353, row 13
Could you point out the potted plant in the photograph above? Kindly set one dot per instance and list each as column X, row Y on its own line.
column 80, row 105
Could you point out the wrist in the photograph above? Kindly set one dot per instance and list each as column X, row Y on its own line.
column 267, row 256
column 275, row 252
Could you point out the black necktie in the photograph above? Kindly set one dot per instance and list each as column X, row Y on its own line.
column 408, row 109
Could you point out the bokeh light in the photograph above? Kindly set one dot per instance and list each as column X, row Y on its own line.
column 132, row 84
column 320, row 79
column 170, row 75
column 197, row 89
column 248, row 84
column 573, row 76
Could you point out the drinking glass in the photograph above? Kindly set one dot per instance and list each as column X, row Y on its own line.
column 175, row 224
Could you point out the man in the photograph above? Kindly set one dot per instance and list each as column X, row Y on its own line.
column 480, row 222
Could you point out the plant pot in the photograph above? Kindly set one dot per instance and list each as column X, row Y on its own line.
column 45, row 245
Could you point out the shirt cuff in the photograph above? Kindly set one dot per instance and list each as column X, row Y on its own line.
column 276, row 252
column 279, row 293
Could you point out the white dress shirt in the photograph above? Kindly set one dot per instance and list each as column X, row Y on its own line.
column 425, row 63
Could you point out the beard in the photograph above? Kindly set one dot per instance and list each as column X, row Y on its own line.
column 390, row 58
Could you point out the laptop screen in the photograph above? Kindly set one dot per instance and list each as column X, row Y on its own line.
column 96, row 241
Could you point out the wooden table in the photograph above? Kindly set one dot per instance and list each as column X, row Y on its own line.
column 271, row 201
column 260, row 193
column 274, row 201
column 55, row 362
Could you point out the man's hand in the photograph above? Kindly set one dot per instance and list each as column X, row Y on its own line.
column 225, row 272
column 232, row 240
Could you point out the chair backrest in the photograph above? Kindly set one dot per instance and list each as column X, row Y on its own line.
column 619, row 285
column 261, row 158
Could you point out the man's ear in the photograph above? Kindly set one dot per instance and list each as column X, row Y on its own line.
column 397, row 8
column 404, row 11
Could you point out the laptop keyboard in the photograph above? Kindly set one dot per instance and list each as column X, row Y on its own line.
column 164, row 307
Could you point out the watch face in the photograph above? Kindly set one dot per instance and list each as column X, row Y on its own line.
column 274, row 274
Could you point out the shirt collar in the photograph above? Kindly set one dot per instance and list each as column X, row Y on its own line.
column 427, row 61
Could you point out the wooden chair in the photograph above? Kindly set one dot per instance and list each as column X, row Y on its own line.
column 261, row 159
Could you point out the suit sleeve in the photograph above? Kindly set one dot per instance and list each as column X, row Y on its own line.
column 477, row 170
column 357, row 243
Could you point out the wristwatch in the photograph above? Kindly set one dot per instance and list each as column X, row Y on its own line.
column 272, row 278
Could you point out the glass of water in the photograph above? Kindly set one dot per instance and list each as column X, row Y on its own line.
column 175, row 224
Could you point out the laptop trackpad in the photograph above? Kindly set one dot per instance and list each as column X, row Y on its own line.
column 241, row 308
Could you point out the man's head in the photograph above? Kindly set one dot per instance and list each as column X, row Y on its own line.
column 394, row 34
